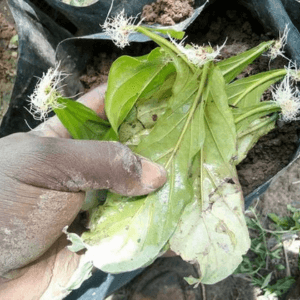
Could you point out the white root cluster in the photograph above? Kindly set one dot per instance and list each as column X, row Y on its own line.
column 198, row 55
column 119, row 28
column 44, row 98
column 287, row 97
column 277, row 48
column 293, row 72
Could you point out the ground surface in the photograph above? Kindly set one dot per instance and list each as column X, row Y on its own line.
column 163, row 280
column 8, row 56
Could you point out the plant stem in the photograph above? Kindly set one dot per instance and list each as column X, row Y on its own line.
column 164, row 43
column 269, row 107
column 279, row 73
column 263, row 236
column 191, row 111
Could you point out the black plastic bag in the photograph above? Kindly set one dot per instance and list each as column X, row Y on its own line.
column 275, row 15
column 41, row 26
column 37, row 44
column 51, row 31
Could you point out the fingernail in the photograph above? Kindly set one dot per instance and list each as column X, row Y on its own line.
column 153, row 175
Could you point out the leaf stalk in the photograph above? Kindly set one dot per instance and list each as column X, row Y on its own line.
column 192, row 110
column 280, row 73
column 164, row 43
column 270, row 107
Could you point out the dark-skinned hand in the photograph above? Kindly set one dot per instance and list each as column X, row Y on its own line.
column 44, row 175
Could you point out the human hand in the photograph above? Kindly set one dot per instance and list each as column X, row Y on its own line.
column 43, row 177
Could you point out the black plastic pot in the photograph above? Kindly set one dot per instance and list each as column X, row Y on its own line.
column 275, row 15
column 51, row 31
column 41, row 26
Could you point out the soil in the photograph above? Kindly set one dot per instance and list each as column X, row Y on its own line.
column 273, row 152
column 8, row 57
column 167, row 12
column 263, row 161
column 97, row 70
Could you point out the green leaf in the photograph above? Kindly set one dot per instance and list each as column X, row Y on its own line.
column 167, row 31
column 131, row 233
column 192, row 281
column 77, row 243
column 178, row 115
column 247, row 91
column 266, row 280
column 171, row 49
column 110, row 135
column 212, row 231
column 285, row 223
column 296, row 218
column 234, row 65
column 130, row 78
column 248, row 137
column 244, row 97
column 280, row 287
column 150, row 109
column 81, row 121
column 291, row 208
column 250, row 125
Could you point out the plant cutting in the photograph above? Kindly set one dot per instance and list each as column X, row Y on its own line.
column 181, row 108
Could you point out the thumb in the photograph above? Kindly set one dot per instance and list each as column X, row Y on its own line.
column 78, row 165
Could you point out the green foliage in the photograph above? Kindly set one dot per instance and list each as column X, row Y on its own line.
column 171, row 32
column 284, row 222
column 280, row 287
column 247, row 91
column 166, row 145
column 233, row 66
column 131, row 78
column 198, row 124
column 222, row 227
column 252, row 117
column 287, row 222
column 260, row 254
column 81, row 122
column 259, row 248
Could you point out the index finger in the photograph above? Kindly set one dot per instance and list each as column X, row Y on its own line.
column 54, row 128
